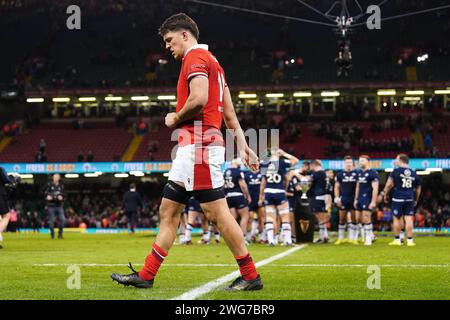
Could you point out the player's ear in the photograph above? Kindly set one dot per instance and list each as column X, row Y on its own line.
column 184, row 35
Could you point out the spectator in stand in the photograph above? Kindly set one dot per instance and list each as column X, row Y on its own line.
column 80, row 157
column 7, row 130
column 42, row 146
column 90, row 156
column 428, row 142
column 142, row 127
column 40, row 157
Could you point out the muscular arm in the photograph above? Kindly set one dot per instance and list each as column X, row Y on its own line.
column 387, row 188
column 356, row 192
column 261, row 189
column 337, row 190
column 294, row 160
column 198, row 97
column 418, row 191
column 375, row 186
column 244, row 189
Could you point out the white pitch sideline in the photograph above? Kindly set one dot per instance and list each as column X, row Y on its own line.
column 204, row 289
column 304, row 265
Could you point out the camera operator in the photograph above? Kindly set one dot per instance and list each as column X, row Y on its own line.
column 7, row 184
column 54, row 195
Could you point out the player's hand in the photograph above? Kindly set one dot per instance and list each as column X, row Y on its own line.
column 260, row 202
column 249, row 199
column 372, row 205
column 250, row 159
column 60, row 198
column 380, row 199
column 386, row 199
column 280, row 152
column 172, row 119
column 49, row 198
column 355, row 204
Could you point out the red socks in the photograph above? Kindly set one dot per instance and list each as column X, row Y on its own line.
column 152, row 263
column 157, row 255
column 247, row 267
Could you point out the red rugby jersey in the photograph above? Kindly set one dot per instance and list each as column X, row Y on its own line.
column 199, row 62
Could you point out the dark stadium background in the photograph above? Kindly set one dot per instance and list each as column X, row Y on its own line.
column 118, row 53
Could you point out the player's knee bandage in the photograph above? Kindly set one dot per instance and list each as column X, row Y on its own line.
column 174, row 192
column 204, row 196
column 270, row 211
column 283, row 211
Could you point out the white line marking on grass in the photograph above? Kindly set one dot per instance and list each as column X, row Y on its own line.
column 362, row 265
column 134, row 264
column 305, row 265
column 204, row 289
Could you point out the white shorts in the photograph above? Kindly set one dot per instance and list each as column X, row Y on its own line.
column 198, row 168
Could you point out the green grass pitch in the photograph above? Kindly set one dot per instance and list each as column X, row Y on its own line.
column 314, row 272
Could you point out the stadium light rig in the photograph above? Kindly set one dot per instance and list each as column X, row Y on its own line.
column 87, row 99
column 112, row 98
column 171, row 97
column 330, row 93
column 442, row 91
column 302, row 94
column 62, row 99
column 35, row 100
column 415, row 92
column 247, row 96
column 274, row 95
column 386, row 92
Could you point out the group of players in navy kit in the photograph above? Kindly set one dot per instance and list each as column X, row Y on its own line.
column 264, row 201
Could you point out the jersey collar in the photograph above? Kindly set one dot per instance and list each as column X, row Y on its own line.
column 197, row 46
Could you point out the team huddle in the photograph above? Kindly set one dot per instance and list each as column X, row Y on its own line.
column 264, row 201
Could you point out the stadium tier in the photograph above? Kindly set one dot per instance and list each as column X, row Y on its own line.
column 324, row 139
column 64, row 144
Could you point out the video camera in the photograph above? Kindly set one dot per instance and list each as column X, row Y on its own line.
column 14, row 181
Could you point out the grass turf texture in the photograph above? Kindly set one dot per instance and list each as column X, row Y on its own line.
column 20, row 278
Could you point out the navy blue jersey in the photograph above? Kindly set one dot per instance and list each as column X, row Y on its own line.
column 232, row 177
column 253, row 180
column 275, row 173
column 405, row 181
column 347, row 182
column 365, row 179
column 292, row 184
column 330, row 187
column 319, row 183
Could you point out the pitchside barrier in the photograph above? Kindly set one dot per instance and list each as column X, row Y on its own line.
column 161, row 167
column 304, row 231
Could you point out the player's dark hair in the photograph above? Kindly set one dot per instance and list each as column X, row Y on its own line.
column 179, row 21
column 348, row 158
column 365, row 156
column 132, row 186
column 306, row 163
column 403, row 158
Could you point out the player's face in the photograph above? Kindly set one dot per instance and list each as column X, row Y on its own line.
column 363, row 163
column 174, row 41
column 305, row 168
column 330, row 174
column 56, row 178
column 397, row 162
column 348, row 165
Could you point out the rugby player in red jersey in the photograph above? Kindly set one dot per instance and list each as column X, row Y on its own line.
column 204, row 99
